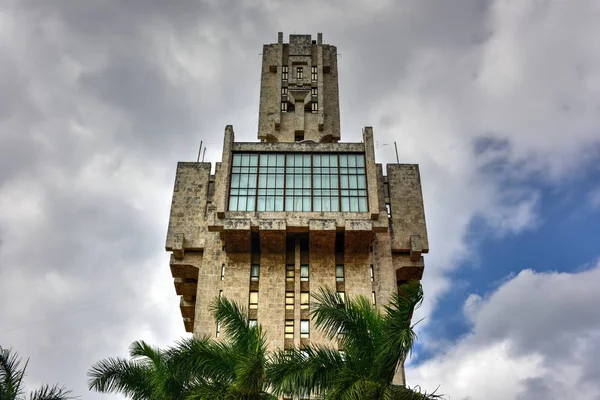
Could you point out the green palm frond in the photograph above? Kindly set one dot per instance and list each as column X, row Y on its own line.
column 11, row 374
column 55, row 392
column 355, row 318
column 203, row 357
column 233, row 319
column 398, row 392
column 117, row 375
column 292, row 371
column 398, row 336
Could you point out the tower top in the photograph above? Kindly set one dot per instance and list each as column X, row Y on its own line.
column 299, row 98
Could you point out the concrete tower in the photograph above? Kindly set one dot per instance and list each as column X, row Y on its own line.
column 294, row 212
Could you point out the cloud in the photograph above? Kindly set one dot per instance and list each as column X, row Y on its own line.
column 537, row 336
column 100, row 100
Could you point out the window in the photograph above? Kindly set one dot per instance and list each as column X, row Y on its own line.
column 372, row 273
column 284, row 91
column 353, row 183
column 252, row 323
column 289, row 328
column 289, row 273
column 304, row 300
column 299, row 73
column 339, row 273
column 325, row 182
column 299, row 136
column 388, row 207
column 220, row 294
column 318, row 182
column 313, row 73
column 254, row 272
column 304, row 329
column 222, row 272
column 342, row 296
column 297, row 182
column 284, row 106
column 253, row 300
column 304, row 273
column 315, row 107
column 289, row 300
column 314, row 92
column 373, row 301
column 284, row 73
column 218, row 332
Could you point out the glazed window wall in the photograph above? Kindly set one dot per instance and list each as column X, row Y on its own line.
column 298, row 182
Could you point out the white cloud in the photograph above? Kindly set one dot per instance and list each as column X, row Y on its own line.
column 105, row 99
column 536, row 336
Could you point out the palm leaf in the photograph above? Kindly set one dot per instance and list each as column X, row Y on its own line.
column 11, row 374
column 55, row 392
column 117, row 375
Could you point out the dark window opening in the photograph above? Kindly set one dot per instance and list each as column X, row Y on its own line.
column 299, row 136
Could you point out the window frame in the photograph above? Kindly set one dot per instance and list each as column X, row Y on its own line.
column 299, row 72
column 284, row 72
column 348, row 194
column 307, row 277
column 338, row 277
column 254, row 278
column 288, row 333
column 253, row 305
column 290, row 300
column 304, row 300
column 314, row 73
column 290, row 273
column 304, row 333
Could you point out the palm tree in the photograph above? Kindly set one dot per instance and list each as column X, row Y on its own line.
column 11, row 381
column 374, row 345
column 150, row 375
column 234, row 368
column 195, row 368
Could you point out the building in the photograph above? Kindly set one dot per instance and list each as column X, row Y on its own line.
column 296, row 211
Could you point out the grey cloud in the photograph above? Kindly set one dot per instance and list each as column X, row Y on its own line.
column 106, row 97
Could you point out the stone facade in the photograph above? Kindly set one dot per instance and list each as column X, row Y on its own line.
column 213, row 248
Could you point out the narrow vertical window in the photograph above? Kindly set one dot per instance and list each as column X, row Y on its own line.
column 299, row 73
column 339, row 273
column 254, row 272
column 373, row 300
column 284, row 107
column 289, row 273
column 315, row 107
column 314, row 92
column 372, row 273
column 313, row 73
column 253, row 303
column 304, row 273
column 218, row 332
column 284, row 91
column 342, row 296
column 222, row 272
column 304, row 300
column 289, row 300
column 388, row 207
column 289, row 328
column 284, row 73
column 220, row 294
column 304, row 329
column 252, row 323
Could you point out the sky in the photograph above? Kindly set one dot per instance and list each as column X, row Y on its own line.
column 497, row 101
